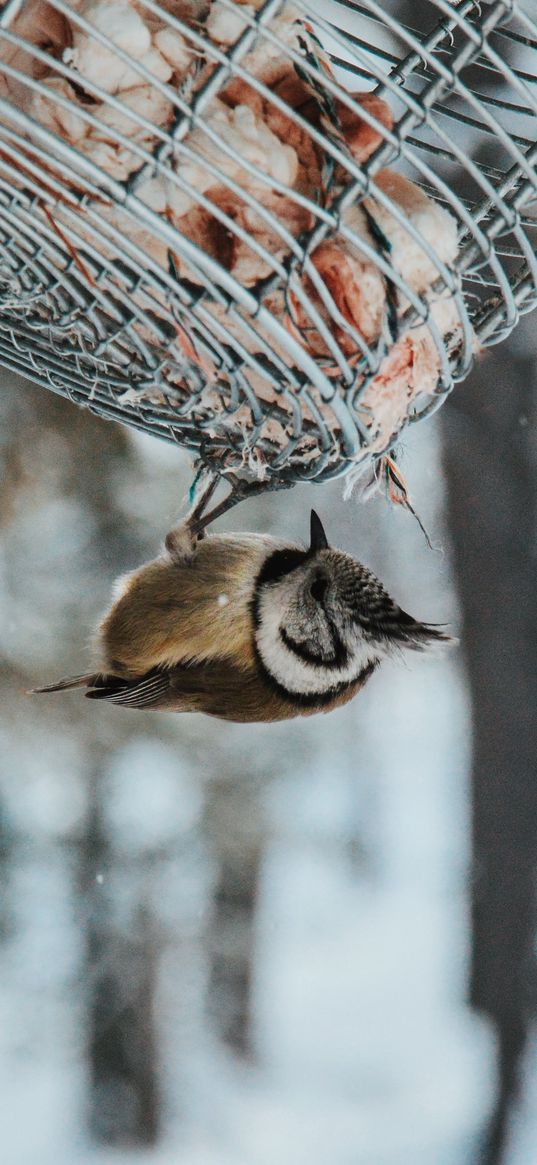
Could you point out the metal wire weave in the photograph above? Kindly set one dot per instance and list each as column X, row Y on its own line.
column 161, row 335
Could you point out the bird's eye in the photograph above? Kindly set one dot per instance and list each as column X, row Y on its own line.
column 318, row 588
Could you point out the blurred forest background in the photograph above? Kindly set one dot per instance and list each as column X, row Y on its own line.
column 304, row 943
column 300, row 943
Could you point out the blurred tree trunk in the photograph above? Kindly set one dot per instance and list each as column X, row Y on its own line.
column 492, row 500
column 234, row 829
column 7, row 842
column 123, row 1101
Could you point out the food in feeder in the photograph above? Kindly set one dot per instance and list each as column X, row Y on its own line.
column 359, row 290
column 251, row 143
column 62, row 117
column 38, row 23
column 256, row 172
column 161, row 50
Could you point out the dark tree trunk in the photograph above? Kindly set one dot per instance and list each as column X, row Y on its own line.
column 234, row 828
column 123, row 1095
column 492, row 488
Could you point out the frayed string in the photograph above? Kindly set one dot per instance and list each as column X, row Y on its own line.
column 384, row 476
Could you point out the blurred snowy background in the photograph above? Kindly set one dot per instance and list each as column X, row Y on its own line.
column 305, row 943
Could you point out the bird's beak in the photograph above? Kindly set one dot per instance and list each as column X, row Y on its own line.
column 318, row 539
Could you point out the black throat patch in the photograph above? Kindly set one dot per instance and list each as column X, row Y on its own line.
column 337, row 659
column 313, row 699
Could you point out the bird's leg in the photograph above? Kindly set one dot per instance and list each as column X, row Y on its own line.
column 181, row 541
column 201, row 503
column 240, row 490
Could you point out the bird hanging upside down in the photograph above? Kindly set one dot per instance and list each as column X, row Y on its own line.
column 246, row 628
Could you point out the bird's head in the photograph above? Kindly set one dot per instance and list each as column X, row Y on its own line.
column 323, row 621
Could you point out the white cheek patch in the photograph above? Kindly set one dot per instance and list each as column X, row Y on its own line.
column 297, row 675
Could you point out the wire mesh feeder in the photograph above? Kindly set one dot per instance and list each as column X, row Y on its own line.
column 274, row 233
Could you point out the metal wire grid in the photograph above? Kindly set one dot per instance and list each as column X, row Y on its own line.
column 194, row 356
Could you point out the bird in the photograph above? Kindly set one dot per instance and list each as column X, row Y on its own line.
column 246, row 628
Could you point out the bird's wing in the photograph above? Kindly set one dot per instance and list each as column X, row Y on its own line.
column 217, row 688
column 148, row 691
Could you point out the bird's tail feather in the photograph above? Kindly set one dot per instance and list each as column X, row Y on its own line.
column 86, row 681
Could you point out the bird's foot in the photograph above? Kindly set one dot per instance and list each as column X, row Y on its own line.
column 181, row 542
